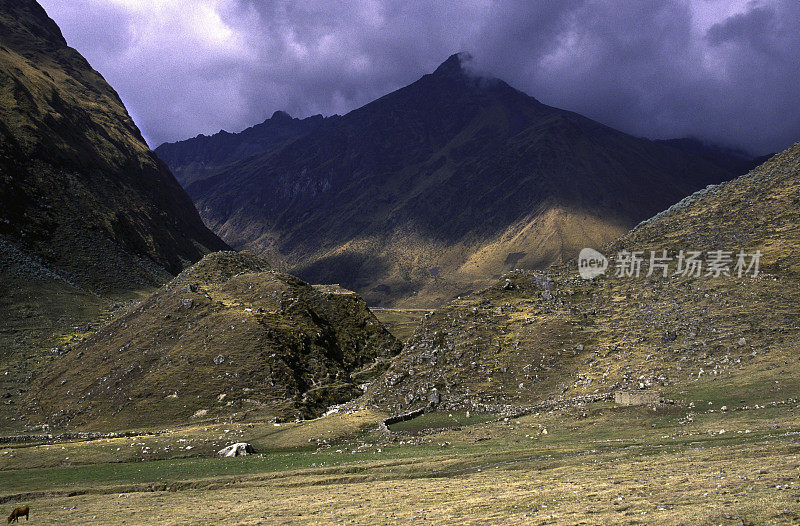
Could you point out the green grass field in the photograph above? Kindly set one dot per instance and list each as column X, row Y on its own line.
column 687, row 463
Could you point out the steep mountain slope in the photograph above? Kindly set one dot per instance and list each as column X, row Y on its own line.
column 80, row 188
column 534, row 337
column 734, row 160
column 442, row 184
column 227, row 336
column 195, row 159
column 89, row 216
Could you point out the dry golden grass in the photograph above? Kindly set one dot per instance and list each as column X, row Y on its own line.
column 596, row 465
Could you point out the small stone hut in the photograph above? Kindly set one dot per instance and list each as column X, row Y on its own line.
column 643, row 397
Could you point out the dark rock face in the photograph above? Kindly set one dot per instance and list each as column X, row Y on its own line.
column 79, row 187
column 454, row 172
column 734, row 160
column 194, row 159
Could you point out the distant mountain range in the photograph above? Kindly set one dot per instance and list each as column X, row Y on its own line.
column 433, row 189
column 195, row 159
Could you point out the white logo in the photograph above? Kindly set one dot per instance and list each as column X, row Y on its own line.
column 591, row 263
column 687, row 263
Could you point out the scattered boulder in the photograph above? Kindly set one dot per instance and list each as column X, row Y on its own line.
column 239, row 449
column 543, row 282
column 433, row 397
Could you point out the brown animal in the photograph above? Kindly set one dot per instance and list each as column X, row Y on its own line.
column 17, row 513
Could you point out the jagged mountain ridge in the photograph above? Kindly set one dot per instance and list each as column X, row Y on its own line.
column 433, row 189
column 194, row 159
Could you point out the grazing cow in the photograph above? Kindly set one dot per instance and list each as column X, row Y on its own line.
column 17, row 513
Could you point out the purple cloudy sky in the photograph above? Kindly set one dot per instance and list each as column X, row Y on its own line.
column 726, row 71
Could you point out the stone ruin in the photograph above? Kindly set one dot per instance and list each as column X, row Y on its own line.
column 644, row 397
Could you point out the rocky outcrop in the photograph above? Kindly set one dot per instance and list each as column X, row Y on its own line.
column 644, row 397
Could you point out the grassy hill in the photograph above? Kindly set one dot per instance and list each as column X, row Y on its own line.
column 228, row 337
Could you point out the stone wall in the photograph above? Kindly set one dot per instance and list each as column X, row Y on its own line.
column 644, row 397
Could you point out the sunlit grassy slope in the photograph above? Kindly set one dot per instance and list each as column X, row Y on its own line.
column 539, row 336
column 228, row 337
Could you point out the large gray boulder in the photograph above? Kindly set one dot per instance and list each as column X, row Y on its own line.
column 239, row 449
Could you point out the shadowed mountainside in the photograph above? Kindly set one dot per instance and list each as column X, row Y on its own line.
column 195, row 159
column 80, row 188
column 735, row 160
column 89, row 216
column 433, row 189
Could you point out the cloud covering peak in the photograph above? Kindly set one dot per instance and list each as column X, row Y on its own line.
column 720, row 70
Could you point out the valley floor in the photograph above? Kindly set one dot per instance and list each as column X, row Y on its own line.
column 722, row 454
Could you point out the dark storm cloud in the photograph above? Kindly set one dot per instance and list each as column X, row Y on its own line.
column 720, row 70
